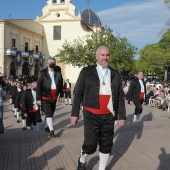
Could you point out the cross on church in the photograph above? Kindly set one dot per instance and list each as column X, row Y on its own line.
column 88, row 3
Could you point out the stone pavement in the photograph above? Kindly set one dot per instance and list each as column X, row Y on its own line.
column 137, row 146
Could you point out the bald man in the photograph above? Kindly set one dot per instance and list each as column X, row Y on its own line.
column 99, row 88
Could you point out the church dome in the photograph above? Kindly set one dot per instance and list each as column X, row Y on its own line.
column 90, row 18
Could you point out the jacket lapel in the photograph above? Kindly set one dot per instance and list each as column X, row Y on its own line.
column 95, row 72
column 111, row 74
column 47, row 74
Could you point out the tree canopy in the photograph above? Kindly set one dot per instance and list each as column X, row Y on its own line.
column 155, row 58
column 81, row 52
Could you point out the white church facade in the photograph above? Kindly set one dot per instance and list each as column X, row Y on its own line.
column 26, row 44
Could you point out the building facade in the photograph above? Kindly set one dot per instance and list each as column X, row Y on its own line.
column 25, row 44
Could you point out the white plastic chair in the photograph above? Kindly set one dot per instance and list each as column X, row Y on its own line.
column 151, row 100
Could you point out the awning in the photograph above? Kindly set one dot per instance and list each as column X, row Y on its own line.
column 10, row 52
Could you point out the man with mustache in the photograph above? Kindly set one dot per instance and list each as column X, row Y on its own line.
column 99, row 88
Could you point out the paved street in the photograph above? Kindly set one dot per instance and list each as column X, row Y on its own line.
column 137, row 146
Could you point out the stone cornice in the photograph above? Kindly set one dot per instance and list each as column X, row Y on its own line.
column 6, row 23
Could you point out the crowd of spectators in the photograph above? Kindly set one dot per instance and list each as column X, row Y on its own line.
column 157, row 93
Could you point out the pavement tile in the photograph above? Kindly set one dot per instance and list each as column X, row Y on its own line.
column 140, row 146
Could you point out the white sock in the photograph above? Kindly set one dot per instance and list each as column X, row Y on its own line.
column 50, row 123
column 69, row 101
column 37, row 126
column 138, row 117
column 17, row 115
column 24, row 122
column 66, row 101
column 103, row 160
column 15, row 110
column 10, row 101
column 29, row 127
column 83, row 157
column 135, row 118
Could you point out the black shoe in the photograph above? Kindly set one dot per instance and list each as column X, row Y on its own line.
column 47, row 129
column 15, row 115
column 66, row 104
column 160, row 107
column 52, row 133
column 24, row 128
column 81, row 166
column 18, row 121
column 163, row 109
column 70, row 104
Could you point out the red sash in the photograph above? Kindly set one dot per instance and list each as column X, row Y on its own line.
column 53, row 95
column 67, row 89
column 103, row 102
column 141, row 95
column 32, row 109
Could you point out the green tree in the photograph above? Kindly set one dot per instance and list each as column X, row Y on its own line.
column 167, row 1
column 151, row 59
column 81, row 52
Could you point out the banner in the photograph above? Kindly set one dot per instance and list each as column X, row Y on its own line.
column 30, row 60
column 18, row 60
column 41, row 60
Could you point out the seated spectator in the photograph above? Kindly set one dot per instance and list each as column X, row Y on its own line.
column 149, row 94
column 161, row 98
column 166, row 101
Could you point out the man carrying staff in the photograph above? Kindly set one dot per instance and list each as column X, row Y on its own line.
column 99, row 88
column 49, row 87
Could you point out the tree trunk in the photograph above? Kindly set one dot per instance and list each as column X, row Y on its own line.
column 166, row 74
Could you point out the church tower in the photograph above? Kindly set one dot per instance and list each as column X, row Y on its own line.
column 58, row 5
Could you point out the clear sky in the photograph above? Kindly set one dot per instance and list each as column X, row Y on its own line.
column 141, row 21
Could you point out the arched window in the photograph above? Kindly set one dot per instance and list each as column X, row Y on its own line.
column 62, row 1
column 54, row 1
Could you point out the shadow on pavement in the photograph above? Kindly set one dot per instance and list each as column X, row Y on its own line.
column 125, row 136
column 30, row 151
column 164, row 160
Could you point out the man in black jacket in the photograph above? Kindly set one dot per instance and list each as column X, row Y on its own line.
column 30, row 108
column 49, row 87
column 67, row 91
column 15, row 94
column 137, row 95
column 11, row 93
column 99, row 88
column 18, row 104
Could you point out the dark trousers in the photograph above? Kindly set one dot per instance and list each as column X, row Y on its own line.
column 138, row 106
column 68, row 94
column 48, row 107
column 31, row 119
column 98, row 129
column 22, row 115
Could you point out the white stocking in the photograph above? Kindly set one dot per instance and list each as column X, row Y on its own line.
column 24, row 122
column 103, row 160
column 50, row 123
column 83, row 156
